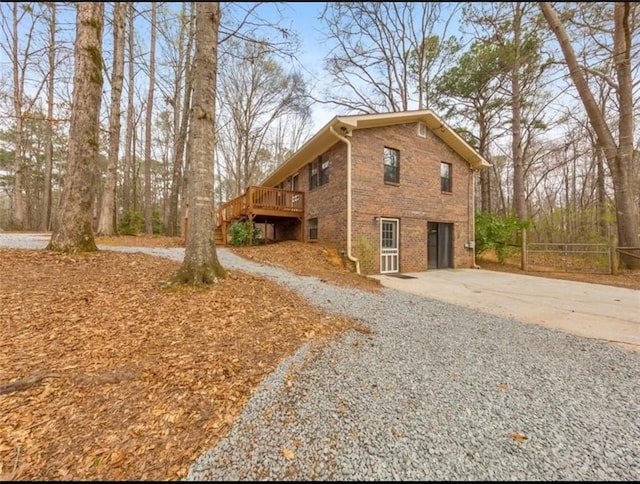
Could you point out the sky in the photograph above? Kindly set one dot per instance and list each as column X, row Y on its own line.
column 304, row 18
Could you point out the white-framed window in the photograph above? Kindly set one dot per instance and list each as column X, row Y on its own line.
column 391, row 165
column 446, row 181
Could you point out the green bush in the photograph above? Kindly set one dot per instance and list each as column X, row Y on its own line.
column 132, row 223
column 244, row 233
column 157, row 224
column 366, row 254
column 497, row 232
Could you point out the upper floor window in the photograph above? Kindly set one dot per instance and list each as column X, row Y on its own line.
column 313, row 175
column 324, row 169
column 319, row 172
column 391, row 165
column 445, row 177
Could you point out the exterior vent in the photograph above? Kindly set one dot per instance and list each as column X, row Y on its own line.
column 422, row 129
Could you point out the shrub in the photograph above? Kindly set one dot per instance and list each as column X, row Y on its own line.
column 244, row 233
column 157, row 223
column 366, row 255
column 497, row 232
column 131, row 223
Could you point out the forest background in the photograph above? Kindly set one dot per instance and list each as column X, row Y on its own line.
column 494, row 71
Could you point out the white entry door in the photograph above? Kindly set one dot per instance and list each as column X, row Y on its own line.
column 389, row 246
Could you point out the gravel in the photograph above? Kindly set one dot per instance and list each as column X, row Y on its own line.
column 434, row 392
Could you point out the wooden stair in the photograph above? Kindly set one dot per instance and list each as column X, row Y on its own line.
column 218, row 238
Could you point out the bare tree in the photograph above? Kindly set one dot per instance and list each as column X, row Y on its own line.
column 619, row 155
column 73, row 231
column 200, row 264
column 148, row 202
column 384, row 53
column 254, row 94
column 179, row 98
column 21, row 58
column 106, row 220
column 45, row 219
column 129, row 143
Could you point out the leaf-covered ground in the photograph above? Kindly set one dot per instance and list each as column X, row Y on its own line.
column 625, row 278
column 107, row 374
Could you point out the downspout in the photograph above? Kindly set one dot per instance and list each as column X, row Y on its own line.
column 349, row 255
column 472, row 219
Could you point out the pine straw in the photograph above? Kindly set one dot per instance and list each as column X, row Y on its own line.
column 118, row 377
column 308, row 259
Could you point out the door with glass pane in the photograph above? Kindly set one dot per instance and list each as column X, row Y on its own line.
column 439, row 245
column 389, row 245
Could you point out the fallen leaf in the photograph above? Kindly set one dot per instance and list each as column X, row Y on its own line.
column 518, row 436
column 503, row 387
column 288, row 453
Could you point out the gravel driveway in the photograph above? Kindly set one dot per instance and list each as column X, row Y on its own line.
column 435, row 392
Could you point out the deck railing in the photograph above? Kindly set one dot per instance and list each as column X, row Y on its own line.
column 262, row 200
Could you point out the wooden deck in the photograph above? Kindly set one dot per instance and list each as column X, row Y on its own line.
column 260, row 202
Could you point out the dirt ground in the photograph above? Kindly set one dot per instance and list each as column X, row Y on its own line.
column 624, row 278
column 108, row 373
column 308, row 260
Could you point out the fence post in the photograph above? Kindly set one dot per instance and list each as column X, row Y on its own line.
column 613, row 258
column 523, row 252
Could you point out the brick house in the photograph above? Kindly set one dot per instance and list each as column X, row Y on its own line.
column 392, row 192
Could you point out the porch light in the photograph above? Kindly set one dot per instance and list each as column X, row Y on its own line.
column 376, row 218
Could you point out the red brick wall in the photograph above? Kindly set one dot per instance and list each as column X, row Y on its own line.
column 416, row 200
column 328, row 202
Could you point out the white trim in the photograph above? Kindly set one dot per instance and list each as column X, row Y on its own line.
column 390, row 257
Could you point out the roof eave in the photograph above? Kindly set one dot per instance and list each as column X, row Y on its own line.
column 324, row 139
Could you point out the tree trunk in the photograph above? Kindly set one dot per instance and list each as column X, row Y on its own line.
column 601, row 194
column 105, row 223
column 181, row 123
column 485, row 186
column 619, row 156
column 200, row 265
column 19, row 202
column 148, row 206
column 128, row 143
column 45, row 218
column 519, row 204
column 179, row 162
column 73, row 231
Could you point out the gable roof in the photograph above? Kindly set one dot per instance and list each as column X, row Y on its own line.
column 324, row 139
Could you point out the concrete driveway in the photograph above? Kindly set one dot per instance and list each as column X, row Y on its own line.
column 589, row 310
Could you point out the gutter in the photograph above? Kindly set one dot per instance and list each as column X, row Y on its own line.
column 349, row 255
column 472, row 218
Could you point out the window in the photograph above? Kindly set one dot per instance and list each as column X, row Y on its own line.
column 319, row 172
column 445, row 177
column 324, row 169
column 313, row 229
column 391, row 165
column 313, row 175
